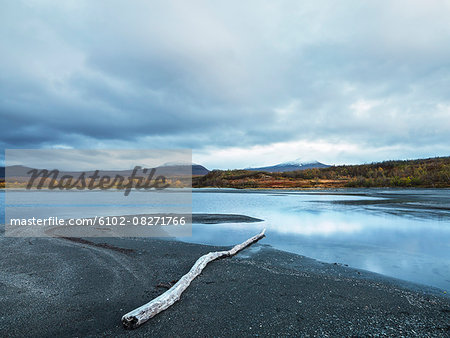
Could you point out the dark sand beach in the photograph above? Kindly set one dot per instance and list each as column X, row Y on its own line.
column 82, row 287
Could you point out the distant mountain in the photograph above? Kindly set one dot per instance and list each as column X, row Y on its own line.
column 290, row 166
column 198, row 169
column 180, row 169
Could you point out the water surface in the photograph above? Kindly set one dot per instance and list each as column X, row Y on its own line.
column 399, row 233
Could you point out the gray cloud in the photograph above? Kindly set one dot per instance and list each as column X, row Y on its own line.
column 212, row 75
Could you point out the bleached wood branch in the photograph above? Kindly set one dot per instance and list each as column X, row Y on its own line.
column 140, row 315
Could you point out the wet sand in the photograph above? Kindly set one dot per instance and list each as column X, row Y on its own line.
column 73, row 287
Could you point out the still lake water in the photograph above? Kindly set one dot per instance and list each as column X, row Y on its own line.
column 399, row 233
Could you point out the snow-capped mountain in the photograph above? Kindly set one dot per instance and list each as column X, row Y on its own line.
column 291, row 166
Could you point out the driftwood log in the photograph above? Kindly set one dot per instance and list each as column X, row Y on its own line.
column 140, row 315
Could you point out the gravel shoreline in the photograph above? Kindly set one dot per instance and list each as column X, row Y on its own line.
column 64, row 287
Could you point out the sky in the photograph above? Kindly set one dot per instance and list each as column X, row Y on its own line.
column 241, row 83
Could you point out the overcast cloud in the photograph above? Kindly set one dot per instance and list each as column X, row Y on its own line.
column 240, row 82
